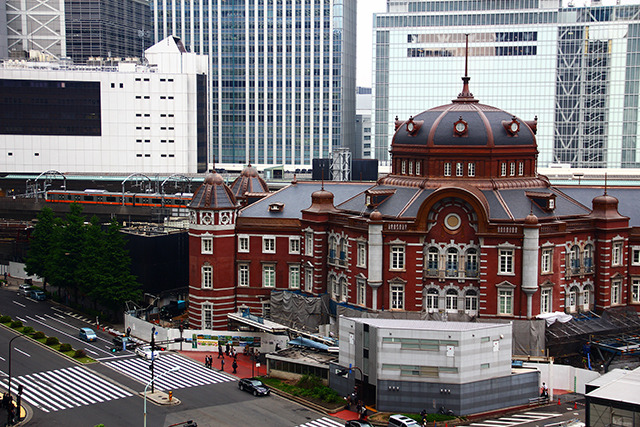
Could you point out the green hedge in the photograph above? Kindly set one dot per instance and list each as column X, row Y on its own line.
column 65, row 347
column 52, row 341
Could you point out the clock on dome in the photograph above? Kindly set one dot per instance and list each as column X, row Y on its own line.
column 460, row 127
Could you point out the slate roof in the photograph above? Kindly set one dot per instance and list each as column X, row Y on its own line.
column 628, row 199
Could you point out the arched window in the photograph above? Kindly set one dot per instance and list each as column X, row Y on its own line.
column 588, row 258
column 451, row 299
column 344, row 289
column 432, row 262
column 574, row 259
column 343, row 251
column 471, row 267
column 452, row 263
column 333, row 248
column 431, row 300
column 471, row 301
column 333, row 285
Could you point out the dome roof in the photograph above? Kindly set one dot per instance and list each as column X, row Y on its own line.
column 465, row 122
column 248, row 182
column 213, row 194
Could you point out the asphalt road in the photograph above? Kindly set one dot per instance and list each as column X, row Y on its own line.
column 60, row 392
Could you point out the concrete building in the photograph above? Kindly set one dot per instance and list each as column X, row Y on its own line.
column 78, row 29
column 123, row 118
column 406, row 365
column 363, row 123
column 282, row 81
column 572, row 67
column 615, row 401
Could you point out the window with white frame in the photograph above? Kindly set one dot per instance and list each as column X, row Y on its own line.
column 404, row 167
column 335, row 289
column 503, row 169
column 418, row 167
column 512, row 169
column 207, row 315
column 520, row 168
column 294, row 276
column 362, row 254
column 266, row 310
column 308, row 279
column 344, row 289
column 432, row 260
column 294, row 245
column 342, row 251
column 447, row 169
column 206, row 245
column 397, row 257
column 546, row 261
column 243, row 243
column 207, row 277
column 616, row 256
column 268, row 276
column 572, row 300
column 410, row 167
column 471, row 169
column 308, row 244
column 588, row 258
column 459, row 168
column 243, row 274
column 505, row 259
column 505, row 302
column 451, row 300
column 471, row 301
column 431, row 299
column 586, row 298
column 635, row 256
column 452, row 263
column 615, row 291
column 362, row 292
column 333, row 248
column 574, row 259
column 268, row 244
column 545, row 300
column 397, row 297
column 471, row 265
column 635, row 291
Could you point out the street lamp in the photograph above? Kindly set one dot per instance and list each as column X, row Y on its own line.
column 175, row 368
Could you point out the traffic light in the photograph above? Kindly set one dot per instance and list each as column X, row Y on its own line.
column 113, row 350
column 20, row 388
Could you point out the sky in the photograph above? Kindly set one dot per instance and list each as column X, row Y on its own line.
column 366, row 9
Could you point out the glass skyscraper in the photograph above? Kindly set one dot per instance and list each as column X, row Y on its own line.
column 576, row 68
column 282, row 74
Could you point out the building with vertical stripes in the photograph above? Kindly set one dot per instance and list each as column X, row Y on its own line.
column 576, row 68
column 282, row 74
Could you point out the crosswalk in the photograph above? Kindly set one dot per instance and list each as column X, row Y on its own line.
column 516, row 419
column 65, row 388
column 190, row 374
column 324, row 422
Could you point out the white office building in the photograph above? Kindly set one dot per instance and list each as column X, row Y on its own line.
column 576, row 68
column 282, row 80
column 123, row 118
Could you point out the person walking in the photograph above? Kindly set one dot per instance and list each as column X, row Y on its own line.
column 545, row 391
column 226, row 351
column 219, row 350
column 222, row 364
column 234, row 365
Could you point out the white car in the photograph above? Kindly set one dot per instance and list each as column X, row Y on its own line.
column 146, row 353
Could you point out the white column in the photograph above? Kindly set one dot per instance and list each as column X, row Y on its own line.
column 375, row 261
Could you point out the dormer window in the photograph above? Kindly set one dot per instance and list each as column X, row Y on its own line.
column 375, row 198
column 512, row 127
column 413, row 126
column 276, row 207
column 545, row 201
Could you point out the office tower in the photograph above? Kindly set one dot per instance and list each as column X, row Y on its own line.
column 363, row 122
column 282, row 80
column 78, row 29
column 576, row 68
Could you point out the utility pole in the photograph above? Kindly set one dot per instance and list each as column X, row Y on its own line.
column 153, row 349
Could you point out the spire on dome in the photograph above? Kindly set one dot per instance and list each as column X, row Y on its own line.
column 466, row 95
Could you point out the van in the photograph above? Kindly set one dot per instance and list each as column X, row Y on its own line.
column 24, row 289
column 38, row 295
column 402, row 421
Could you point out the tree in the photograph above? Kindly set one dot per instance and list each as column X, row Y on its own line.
column 41, row 244
column 68, row 249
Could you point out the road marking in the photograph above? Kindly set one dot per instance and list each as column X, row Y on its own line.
column 516, row 419
column 40, row 317
column 73, row 326
column 63, row 333
column 2, row 358
column 90, row 351
column 129, row 355
column 324, row 422
column 20, row 351
column 67, row 388
column 21, row 319
column 20, row 304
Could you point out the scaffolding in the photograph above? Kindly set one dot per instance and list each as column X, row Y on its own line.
column 341, row 164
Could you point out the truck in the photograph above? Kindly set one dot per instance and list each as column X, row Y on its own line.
column 174, row 308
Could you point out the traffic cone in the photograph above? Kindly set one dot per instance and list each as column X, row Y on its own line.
column 575, row 405
column 558, row 401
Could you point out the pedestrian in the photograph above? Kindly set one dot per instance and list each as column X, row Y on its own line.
column 219, row 350
column 234, row 365
column 128, row 331
column 209, row 361
column 222, row 364
column 226, row 351
column 545, row 391
column 362, row 412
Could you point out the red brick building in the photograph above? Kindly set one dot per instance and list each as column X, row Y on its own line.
column 463, row 226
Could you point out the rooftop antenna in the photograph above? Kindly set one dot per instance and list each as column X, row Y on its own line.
column 466, row 95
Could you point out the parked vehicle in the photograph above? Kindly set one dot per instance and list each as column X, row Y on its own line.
column 120, row 343
column 146, row 353
column 254, row 386
column 24, row 289
column 402, row 421
column 38, row 295
column 87, row 334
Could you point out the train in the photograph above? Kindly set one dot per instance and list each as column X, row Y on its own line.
column 104, row 197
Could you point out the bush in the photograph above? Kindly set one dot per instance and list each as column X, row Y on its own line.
column 38, row 335
column 65, row 347
column 27, row 330
column 79, row 354
column 309, row 382
column 5, row 319
column 16, row 324
column 52, row 341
